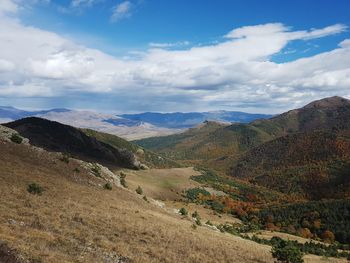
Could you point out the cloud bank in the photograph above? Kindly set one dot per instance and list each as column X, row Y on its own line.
column 237, row 73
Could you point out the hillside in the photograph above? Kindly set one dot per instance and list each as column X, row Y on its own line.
column 144, row 156
column 74, row 219
column 57, row 137
column 212, row 143
column 315, row 165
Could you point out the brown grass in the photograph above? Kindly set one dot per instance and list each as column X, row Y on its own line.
column 75, row 220
column 162, row 184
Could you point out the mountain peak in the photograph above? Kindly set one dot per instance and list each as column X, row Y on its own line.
column 330, row 102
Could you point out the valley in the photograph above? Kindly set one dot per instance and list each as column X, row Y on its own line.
column 79, row 195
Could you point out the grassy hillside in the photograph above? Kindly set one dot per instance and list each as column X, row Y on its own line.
column 211, row 140
column 76, row 220
column 207, row 141
column 145, row 156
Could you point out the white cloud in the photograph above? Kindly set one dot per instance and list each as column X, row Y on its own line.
column 237, row 73
column 169, row 45
column 80, row 3
column 121, row 11
column 8, row 6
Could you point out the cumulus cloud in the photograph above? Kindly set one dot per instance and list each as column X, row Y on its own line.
column 121, row 11
column 237, row 73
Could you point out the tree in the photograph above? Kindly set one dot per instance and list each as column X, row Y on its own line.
column 328, row 236
column 287, row 252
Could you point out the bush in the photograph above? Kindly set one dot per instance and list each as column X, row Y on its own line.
column 287, row 252
column 197, row 217
column 35, row 189
column 76, row 170
column 16, row 138
column 192, row 194
column 145, row 198
column 183, row 211
column 96, row 170
column 139, row 190
column 209, row 223
column 108, row 186
column 122, row 179
column 65, row 157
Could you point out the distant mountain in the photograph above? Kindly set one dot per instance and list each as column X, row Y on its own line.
column 232, row 140
column 190, row 119
column 57, row 137
column 128, row 126
column 128, row 129
column 8, row 112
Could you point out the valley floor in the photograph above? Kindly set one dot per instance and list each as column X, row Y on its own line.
column 76, row 220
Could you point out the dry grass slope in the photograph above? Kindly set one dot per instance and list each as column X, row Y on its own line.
column 76, row 220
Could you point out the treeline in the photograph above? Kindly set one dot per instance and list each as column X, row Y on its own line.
column 327, row 220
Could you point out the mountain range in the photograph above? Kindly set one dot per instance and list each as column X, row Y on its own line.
column 129, row 126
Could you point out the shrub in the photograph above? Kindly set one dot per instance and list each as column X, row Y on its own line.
column 287, row 252
column 35, row 189
column 65, row 157
column 192, row 194
column 183, row 211
column 209, row 223
column 16, row 138
column 96, row 170
column 122, row 179
column 197, row 217
column 145, row 198
column 76, row 170
column 108, row 186
column 139, row 190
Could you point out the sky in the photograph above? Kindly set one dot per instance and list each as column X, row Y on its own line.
column 173, row 55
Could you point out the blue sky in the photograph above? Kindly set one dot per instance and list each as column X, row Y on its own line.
column 162, row 55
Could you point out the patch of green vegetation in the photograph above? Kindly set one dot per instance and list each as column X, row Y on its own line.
column 183, row 211
column 108, row 186
column 284, row 248
column 96, row 170
column 123, row 180
column 287, row 252
column 193, row 193
column 35, row 189
column 139, row 190
column 16, row 138
column 311, row 217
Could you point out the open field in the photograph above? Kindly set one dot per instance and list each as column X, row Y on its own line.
column 162, row 184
